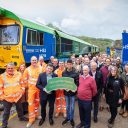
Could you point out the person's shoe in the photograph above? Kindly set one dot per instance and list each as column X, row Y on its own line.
column 2, row 109
column 51, row 122
column 38, row 117
column 23, row 119
column 65, row 121
column 110, row 125
column 72, row 123
column 80, row 125
column 64, row 115
column 125, row 114
column 121, row 111
column 41, row 122
column 95, row 119
column 56, row 115
column 29, row 125
column 110, row 121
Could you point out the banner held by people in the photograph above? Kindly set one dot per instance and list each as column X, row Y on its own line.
column 65, row 83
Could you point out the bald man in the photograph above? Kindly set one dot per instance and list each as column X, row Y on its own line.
column 30, row 78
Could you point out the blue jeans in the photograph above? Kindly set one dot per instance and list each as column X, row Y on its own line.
column 70, row 106
column 85, row 112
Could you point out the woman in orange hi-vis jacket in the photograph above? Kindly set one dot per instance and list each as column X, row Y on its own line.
column 60, row 98
column 30, row 77
column 11, row 90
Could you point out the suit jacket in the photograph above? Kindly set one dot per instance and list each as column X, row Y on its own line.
column 41, row 83
column 99, row 81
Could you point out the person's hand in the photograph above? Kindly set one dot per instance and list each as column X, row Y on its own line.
column 103, row 96
column 49, row 92
column 46, row 91
column 120, row 101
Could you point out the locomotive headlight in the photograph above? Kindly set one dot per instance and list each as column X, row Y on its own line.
column 18, row 49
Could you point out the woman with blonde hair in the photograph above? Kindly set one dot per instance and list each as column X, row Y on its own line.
column 114, row 90
column 25, row 96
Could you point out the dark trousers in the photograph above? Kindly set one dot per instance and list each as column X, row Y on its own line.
column 25, row 107
column 1, row 106
column 113, row 111
column 7, row 108
column 85, row 112
column 96, row 105
column 125, row 104
column 43, row 102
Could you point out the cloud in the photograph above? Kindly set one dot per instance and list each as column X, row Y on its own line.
column 40, row 20
column 95, row 18
column 70, row 23
column 56, row 24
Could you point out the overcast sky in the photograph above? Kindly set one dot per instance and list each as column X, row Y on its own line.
column 93, row 18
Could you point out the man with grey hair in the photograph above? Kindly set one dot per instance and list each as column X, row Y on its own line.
column 51, row 59
column 55, row 64
column 11, row 90
column 86, row 62
column 42, row 63
column 86, row 91
column 97, row 75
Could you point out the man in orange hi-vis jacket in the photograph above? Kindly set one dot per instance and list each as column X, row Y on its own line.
column 42, row 63
column 11, row 90
column 30, row 77
column 60, row 98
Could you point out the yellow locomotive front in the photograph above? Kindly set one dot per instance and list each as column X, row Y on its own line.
column 10, row 40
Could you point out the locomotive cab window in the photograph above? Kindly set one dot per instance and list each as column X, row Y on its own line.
column 9, row 34
column 34, row 37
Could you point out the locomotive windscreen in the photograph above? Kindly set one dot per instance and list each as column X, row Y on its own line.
column 9, row 34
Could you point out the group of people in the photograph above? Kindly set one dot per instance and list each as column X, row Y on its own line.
column 99, row 80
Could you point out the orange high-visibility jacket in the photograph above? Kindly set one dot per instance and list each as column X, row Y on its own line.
column 43, row 66
column 60, row 98
column 59, row 72
column 30, row 76
column 11, row 87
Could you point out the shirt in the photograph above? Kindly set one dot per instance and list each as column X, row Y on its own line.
column 85, row 76
column 93, row 74
column 49, row 76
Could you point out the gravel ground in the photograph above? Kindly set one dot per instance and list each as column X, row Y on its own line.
column 102, row 121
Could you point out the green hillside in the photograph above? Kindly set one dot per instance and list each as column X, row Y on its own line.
column 102, row 43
